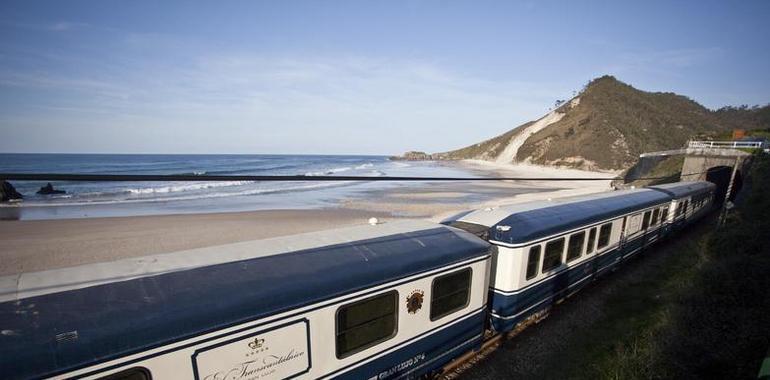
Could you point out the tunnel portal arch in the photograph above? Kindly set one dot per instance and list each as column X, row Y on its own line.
column 719, row 176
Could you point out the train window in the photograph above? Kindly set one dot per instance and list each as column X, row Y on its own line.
column 664, row 215
column 136, row 373
column 655, row 217
column 363, row 324
column 533, row 262
column 646, row 220
column 575, row 246
column 604, row 235
column 450, row 293
column 591, row 241
column 553, row 252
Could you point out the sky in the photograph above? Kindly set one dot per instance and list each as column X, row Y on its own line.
column 348, row 77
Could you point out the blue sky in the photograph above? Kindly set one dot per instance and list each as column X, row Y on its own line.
column 358, row 77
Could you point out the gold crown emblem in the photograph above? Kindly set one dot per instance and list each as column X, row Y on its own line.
column 257, row 343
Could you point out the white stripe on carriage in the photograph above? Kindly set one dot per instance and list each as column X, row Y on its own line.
column 631, row 253
column 546, row 299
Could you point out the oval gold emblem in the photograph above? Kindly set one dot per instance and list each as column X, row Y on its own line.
column 414, row 301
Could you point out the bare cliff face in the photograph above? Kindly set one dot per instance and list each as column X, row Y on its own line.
column 606, row 127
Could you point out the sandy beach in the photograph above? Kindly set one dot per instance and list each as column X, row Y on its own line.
column 36, row 245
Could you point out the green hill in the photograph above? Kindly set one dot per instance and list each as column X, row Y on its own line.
column 608, row 125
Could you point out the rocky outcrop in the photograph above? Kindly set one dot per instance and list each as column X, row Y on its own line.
column 8, row 192
column 49, row 190
column 415, row 156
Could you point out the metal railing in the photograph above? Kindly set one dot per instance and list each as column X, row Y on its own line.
column 726, row 144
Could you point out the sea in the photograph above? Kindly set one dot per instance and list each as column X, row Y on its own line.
column 107, row 199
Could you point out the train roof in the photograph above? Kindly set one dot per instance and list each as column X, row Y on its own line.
column 684, row 189
column 124, row 310
column 540, row 223
column 491, row 216
column 537, row 220
column 532, row 221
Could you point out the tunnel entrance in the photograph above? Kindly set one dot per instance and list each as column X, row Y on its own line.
column 720, row 176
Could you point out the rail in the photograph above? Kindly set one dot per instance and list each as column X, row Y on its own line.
column 281, row 178
column 726, row 144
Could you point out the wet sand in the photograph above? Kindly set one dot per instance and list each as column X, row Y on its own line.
column 439, row 200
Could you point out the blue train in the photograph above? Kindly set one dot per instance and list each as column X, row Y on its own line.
column 399, row 300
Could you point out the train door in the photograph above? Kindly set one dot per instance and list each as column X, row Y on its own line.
column 655, row 225
column 645, row 226
column 664, row 224
column 591, row 250
column 622, row 241
column 634, row 235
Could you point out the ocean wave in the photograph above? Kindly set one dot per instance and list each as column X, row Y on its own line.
column 339, row 170
column 328, row 171
column 273, row 169
column 162, row 189
column 188, row 187
column 201, row 172
column 301, row 186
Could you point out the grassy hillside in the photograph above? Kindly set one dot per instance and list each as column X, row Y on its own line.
column 713, row 320
column 613, row 123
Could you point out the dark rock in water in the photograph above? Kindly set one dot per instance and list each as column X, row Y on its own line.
column 49, row 190
column 8, row 192
column 414, row 156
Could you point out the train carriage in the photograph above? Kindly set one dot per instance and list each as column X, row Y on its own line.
column 545, row 251
column 689, row 201
column 395, row 300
